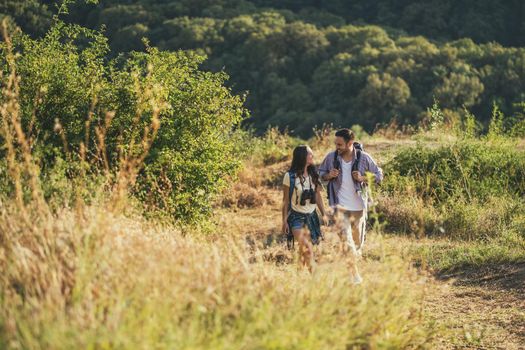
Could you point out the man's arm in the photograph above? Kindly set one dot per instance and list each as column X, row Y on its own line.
column 374, row 169
column 331, row 175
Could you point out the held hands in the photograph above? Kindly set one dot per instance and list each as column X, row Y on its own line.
column 326, row 217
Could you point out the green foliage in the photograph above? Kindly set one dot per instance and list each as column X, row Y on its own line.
column 437, row 119
column 60, row 82
column 193, row 150
column 274, row 146
column 359, row 132
column 470, row 127
column 70, row 96
column 306, row 63
column 469, row 190
column 466, row 169
column 496, row 123
column 449, row 257
column 517, row 128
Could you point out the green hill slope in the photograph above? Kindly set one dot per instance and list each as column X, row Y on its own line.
column 304, row 63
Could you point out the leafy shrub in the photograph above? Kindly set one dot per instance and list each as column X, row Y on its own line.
column 273, row 147
column 193, row 150
column 408, row 215
column 78, row 106
column 471, row 189
column 467, row 169
column 450, row 257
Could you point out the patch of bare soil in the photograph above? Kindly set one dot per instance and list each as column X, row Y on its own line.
column 477, row 317
column 482, row 309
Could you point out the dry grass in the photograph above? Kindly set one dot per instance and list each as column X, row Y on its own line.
column 393, row 131
column 136, row 285
column 242, row 195
column 129, row 283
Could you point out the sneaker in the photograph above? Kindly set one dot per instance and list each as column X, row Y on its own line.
column 357, row 279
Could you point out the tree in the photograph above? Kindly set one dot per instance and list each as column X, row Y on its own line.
column 382, row 98
column 460, row 87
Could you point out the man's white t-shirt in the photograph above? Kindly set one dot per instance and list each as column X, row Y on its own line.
column 349, row 199
column 296, row 195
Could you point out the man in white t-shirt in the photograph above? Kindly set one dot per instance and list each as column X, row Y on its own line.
column 345, row 169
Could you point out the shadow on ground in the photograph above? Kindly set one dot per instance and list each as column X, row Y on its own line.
column 505, row 277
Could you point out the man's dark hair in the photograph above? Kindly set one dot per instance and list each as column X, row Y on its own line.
column 346, row 134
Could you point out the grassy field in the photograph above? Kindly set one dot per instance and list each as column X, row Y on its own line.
column 470, row 291
column 130, row 284
column 98, row 276
column 151, row 238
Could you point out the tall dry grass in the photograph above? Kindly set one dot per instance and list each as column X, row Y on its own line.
column 141, row 286
column 40, row 246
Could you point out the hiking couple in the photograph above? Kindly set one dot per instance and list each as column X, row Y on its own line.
column 344, row 170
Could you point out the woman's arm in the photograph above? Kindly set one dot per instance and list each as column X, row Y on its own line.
column 320, row 204
column 286, row 203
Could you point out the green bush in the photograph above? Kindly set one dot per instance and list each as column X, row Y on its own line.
column 193, row 152
column 470, row 190
column 450, row 257
column 480, row 219
column 468, row 169
column 71, row 98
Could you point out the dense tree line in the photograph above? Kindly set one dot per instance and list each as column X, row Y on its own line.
column 303, row 64
column 481, row 20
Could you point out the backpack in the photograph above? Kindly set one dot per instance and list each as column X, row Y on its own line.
column 337, row 165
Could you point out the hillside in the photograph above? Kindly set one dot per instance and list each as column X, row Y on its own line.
column 305, row 63
column 137, row 210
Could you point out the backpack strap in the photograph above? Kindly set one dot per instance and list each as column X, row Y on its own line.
column 291, row 174
column 290, row 242
column 358, row 148
column 336, row 165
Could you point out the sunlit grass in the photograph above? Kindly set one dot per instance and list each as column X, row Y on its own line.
column 135, row 285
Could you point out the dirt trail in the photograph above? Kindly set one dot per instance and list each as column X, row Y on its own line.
column 477, row 317
column 475, row 310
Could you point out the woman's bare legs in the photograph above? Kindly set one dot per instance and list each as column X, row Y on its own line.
column 306, row 250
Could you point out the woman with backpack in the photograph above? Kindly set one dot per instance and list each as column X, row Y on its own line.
column 301, row 198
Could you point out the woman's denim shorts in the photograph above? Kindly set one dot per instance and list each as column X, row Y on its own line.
column 299, row 220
